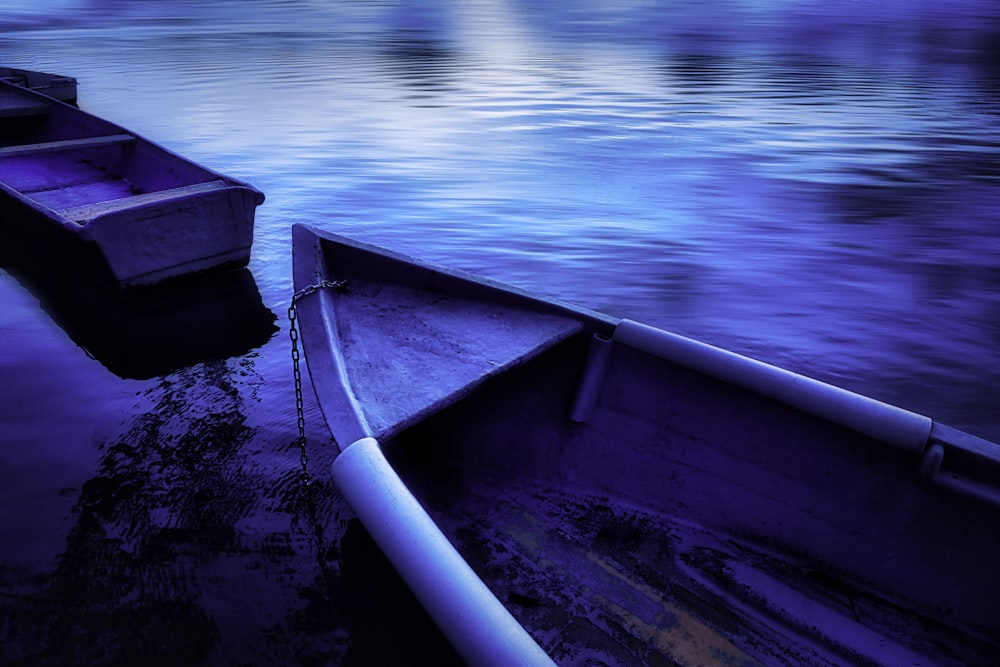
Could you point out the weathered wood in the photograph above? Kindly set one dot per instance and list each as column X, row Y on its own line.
column 66, row 145
column 84, row 214
column 12, row 106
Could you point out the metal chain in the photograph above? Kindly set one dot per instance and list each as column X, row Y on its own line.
column 310, row 491
column 293, row 334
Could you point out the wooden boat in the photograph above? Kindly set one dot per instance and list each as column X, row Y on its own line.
column 625, row 495
column 62, row 88
column 115, row 204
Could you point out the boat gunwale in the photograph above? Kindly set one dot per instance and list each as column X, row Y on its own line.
column 910, row 431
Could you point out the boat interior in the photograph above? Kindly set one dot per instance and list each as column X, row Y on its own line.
column 670, row 517
column 81, row 166
column 690, row 522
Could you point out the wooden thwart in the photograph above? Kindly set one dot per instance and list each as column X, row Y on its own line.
column 14, row 107
column 87, row 212
column 66, row 145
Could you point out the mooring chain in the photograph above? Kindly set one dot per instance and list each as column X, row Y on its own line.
column 293, row 333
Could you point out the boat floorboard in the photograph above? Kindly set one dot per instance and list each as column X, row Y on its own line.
column 599, row 580
column 441, row 346
column 87, row 193
column 58, row 183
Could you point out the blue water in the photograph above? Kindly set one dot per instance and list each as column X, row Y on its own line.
column 814, row 184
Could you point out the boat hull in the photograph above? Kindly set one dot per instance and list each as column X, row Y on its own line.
column 632, row 504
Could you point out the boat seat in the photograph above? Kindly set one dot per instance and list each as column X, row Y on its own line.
column 12, row 106
column 87, row 212
column 65, row 145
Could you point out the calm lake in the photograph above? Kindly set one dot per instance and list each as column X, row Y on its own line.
column 813, row 184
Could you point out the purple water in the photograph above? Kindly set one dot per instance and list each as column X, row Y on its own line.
column 813, row 184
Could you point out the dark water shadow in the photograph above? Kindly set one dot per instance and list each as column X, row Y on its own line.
column 186, row 548
column 388, row 625
column 141, row 334
column 165, row 498
column 414, row 49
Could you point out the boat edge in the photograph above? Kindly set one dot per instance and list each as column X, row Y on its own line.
column 974, row 463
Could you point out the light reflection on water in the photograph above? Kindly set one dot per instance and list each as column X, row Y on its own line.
column 812, row 185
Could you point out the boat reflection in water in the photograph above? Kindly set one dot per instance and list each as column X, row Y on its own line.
column 145, row 333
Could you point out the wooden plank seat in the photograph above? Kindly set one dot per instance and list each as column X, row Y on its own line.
column 12, row 106
column 65, row 145
column 84, row 214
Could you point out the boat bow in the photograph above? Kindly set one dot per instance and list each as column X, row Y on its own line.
column 445, row 339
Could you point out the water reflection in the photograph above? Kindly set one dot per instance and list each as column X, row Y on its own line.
column 152, row 332
column 415, row 51
column 695, row 72
column 184, row 548
column 173, row 514
column 164, row 493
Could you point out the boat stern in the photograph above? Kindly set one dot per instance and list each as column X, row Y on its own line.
column 206, row 227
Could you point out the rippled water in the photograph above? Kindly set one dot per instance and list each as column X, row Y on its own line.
column 815, row 185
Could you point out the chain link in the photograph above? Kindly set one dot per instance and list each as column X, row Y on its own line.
column 293, row 334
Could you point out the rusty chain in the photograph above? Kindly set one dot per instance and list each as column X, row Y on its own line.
column 293, row 334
